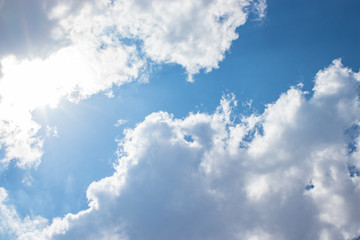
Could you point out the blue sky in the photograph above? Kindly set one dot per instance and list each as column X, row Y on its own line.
column 271, row 107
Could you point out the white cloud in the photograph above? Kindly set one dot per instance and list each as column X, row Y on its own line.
column 27, row 180
column 234, row 180
column 260, row 8
column 194, row 34
column 120, row 122
column 95, row 45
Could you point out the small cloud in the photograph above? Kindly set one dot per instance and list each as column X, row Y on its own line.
column 120, row 122
column 27, row 180
column 260, row 9
column 109, row 94
column 52, row 131
column 248, row 103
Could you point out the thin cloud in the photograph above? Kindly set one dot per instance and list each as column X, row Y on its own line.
column 120, row 122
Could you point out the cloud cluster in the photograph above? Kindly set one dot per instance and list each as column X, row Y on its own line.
column 291, row 172
column 89, row 46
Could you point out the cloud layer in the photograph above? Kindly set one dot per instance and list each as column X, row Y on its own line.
column 291, row 172
column 90, row 46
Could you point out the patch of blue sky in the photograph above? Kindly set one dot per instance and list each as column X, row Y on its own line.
column 309, row 186
column 293, row 42
column 351, row 134
column 354, row 171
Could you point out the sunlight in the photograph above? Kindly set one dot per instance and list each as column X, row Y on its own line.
column 30, row 84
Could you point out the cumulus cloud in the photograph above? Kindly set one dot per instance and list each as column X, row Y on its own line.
column 90, row 46
column 194, row 34
column 291, row 172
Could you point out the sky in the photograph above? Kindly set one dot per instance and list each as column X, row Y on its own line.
column 209, row 119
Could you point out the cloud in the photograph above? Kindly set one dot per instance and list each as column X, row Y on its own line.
column 194, row 34
column 120, row 122
column 11, row 222
column 222, row 176
column 90, row 46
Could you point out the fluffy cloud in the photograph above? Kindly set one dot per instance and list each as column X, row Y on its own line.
column 194, row 34
column 291, row 172
column 89, row 46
